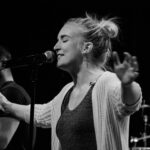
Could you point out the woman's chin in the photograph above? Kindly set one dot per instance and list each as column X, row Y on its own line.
column 62, row 66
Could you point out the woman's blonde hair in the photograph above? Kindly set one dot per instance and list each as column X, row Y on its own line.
column 99, row 32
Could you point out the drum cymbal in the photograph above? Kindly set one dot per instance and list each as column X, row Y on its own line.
column 140, row 148
column 145, row 106
column 135, row 139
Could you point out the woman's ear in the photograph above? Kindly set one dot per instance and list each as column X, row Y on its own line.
column 87, row 47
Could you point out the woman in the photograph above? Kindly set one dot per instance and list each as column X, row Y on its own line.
column 93, row 111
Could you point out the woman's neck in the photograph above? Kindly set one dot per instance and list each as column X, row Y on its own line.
column 86, row 74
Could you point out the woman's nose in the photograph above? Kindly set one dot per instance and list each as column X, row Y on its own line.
column 57, row 46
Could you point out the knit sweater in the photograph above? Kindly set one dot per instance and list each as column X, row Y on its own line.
column 111, row 116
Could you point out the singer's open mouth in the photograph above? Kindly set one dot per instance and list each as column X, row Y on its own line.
column 59, row 55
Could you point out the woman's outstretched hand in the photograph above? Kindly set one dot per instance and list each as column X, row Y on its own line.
column 127, row 70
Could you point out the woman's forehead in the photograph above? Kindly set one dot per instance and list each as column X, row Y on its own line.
column 71, row 29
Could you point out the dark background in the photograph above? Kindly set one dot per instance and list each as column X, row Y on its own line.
column 32, row 28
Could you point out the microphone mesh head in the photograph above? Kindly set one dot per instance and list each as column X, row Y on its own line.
column 50, row 56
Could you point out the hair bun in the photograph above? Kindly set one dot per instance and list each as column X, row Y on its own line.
column 108, row 28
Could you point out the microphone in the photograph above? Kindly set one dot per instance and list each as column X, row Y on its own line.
column 36, row 59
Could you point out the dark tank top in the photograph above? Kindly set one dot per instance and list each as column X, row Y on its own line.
column 75, row 128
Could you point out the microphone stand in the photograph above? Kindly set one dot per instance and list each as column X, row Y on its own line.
column 34, row 77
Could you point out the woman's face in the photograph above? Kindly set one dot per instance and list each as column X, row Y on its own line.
column 69, row 46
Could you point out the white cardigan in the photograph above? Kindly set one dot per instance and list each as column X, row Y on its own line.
column 111, row 116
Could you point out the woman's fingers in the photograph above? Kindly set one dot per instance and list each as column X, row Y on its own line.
column 129, row 61
column 116, row 58
column 134, row 63
column 128, row 57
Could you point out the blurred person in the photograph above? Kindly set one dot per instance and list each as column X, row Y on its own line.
column 13, row 131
